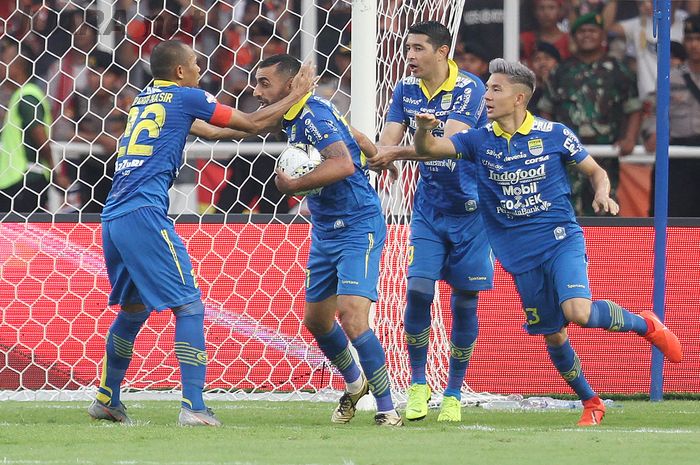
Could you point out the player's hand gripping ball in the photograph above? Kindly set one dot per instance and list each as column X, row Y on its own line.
column 298, row 160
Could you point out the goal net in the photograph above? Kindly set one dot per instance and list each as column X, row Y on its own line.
column 90, row 58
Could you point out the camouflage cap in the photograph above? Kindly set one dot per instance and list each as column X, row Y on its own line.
column 589, row 18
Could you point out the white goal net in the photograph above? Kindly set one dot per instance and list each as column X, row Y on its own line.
column 247, row 241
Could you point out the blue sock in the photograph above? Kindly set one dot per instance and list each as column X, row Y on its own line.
column 119, row 346
column 191, row 353
column 465, row 328
column 419, row 297
column 569, row 366
column 373, row 363
column 608, row 315
column 334, row 346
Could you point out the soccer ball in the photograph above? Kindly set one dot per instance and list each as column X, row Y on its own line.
column 298, row 160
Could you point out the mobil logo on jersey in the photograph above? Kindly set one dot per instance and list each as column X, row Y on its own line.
column 535, row 146
column 521, row 189
column 518, row 176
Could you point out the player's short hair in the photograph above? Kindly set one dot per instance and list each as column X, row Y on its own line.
column 438, row 34
column 286, row 64
column 516, row 72
column 165, row 57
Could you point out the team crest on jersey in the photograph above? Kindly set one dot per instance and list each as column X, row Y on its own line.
column 293, row 135
column 535, row 146
column 446, row 101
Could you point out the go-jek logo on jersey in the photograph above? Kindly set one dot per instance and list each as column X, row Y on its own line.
column 518, row 176
column 449, row 164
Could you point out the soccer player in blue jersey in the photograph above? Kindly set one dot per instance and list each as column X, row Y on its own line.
column 521, row 173
column 347, row 238
column 448, row 240
column 147, row 263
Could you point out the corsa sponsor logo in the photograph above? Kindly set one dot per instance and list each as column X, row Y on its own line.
column 532, row 161
column 523, row 189
column 518, row 176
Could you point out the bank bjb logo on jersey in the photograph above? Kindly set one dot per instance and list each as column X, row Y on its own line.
column 535, row 146
column 446, row 102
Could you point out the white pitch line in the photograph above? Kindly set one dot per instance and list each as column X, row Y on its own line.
column 579, row 430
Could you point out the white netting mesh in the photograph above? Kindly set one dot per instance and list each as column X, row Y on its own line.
column 91, row 58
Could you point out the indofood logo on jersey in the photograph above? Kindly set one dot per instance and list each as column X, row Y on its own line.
column 518, row 176
column 535, row 146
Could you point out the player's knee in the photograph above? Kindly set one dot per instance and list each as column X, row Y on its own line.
column 556, row 339
column 133, row 308
column 420, row 293
column 353, row 325
column 195, row 308
column 577, row 310
column 316, row 326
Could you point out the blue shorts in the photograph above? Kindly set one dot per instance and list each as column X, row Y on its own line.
column 147, row 262
column 345, row 261
column 453, row 248
column 543, row 289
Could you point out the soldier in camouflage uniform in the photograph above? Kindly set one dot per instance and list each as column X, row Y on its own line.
column 596, row 96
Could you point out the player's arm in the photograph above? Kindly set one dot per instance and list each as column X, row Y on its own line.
column 429, row 147
column 260, row 121
column 337, row 164
column 208, row 131
column 601, row 186
column 371, row 153
column 388, row 149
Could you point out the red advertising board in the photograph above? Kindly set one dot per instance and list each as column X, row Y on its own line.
column 54, row 288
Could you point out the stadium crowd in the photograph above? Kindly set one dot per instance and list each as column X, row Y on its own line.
column 595, row 62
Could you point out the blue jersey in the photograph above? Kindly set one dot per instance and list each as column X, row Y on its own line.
column 524, row 188
column 150, row 151
column 461, row 98
column 315, row 121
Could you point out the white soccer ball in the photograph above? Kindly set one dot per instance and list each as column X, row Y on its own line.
column 298, row 160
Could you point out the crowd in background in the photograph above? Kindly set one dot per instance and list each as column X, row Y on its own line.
column 595, row 62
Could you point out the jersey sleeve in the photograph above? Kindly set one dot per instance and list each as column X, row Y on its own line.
column 464, row 142
column 396, row 113
column 321, row 129
column 573, row 151
column 202, row 105
column 469, row 105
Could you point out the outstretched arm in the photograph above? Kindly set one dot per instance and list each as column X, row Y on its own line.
column 260, row 121
column 602, row 203
column 429, row 147
column 337, row 164
column 208, row 131
column 372, row 154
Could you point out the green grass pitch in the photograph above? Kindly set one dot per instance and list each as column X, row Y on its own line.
column 261, row 433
